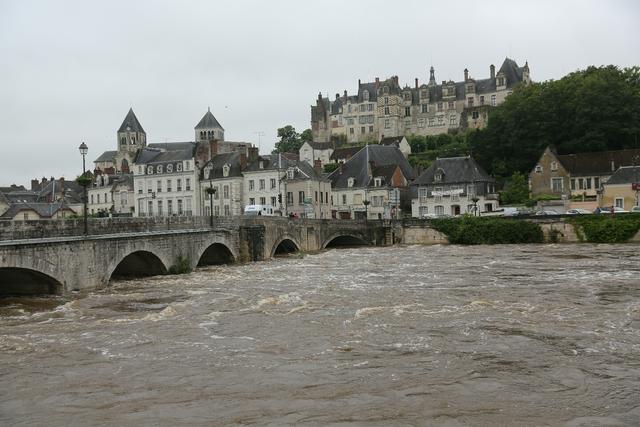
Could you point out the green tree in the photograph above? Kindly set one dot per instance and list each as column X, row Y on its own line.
column 590, row 110
column 516, row 190
column 306, row 136
column 290, row 141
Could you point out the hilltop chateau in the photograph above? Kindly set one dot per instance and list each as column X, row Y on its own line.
column 384, row 108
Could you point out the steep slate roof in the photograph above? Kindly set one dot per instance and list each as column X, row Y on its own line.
column 456, row 170
column 391, row 140
column 72, row 190
column 625, row 175
column 208, row 121
column 218, row 161
column 308, row 172
column 107, row 156
column 511, row 70
column 344, row 153
column 365, row 161
column 132, row 122
column 320, row 145
column 166, row 152
column 597, row 163
column 271, row 161
column 45, row 210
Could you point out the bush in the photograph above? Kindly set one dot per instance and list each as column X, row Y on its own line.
column 182, row 265
column 470, row 230
column 606, row 228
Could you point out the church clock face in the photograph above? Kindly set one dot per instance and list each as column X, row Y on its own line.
column 128, row 128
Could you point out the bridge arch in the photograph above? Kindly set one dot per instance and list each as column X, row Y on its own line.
column 215, row 253
column 344, row 239
column 285, row 244
column 27, row 281
column 137, row 263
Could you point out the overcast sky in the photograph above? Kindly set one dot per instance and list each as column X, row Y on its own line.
column 70, row 70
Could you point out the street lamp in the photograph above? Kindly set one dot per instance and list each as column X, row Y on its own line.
column 366, row 209
column 211, row 191
column 83, row 150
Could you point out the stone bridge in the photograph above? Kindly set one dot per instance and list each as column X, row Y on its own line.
column 55, row 257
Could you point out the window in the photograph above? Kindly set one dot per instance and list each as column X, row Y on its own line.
column 289, row 198
column 423, row 194
column 432, row 121
column 357, row 199
column 261, row 184
column 344, row 199
column 321, row 197
column 554, row 166
column 369, row 107
column 180, row 207
column 475, row 115
column 407, row 111
column 251, row 185
column 371, row 129
column 326, row 196
column 386, row 111
column 377, row 182
column 351, row 131
column 179, row 184
column 573, row 184
column 451, row 105
column 386, row 98
column 273, row 183
column 216, row 210
column 453, row 120
column 580, row 184
column 139, row 192
column 556, row 184
column 123, row 198
column 169, row 168
column 140, row 170
column 407, row 96
column 439, row 106
column 365, row 95
column 470, row 101
column 252, row 201
column 471, row 190
column 538, row 169
column 227, row 212
column 387, row 124
column 439, row 210
column 424, row 94
column 362, row 129
column 159, row 186
column 300, row 197
column 596, row 183
column 92, row 197
column 273, row 201
column 424, row 108
column 351, row 181
column 620, row 202
column 179, row 167
column 159, row 168
column 169, row 207
column 98, row 198
column 225, row 192
column 225, row 170
column 587, row 183
column 349, row 108
column 440, row 120
column 150, row 208
column 291, row 173
column 216, row 194
column 150, row 170
column 423, row 211
column 159, row 207
column 493, row 100
column 263, row 200
column 188, row 184
column 187, row 165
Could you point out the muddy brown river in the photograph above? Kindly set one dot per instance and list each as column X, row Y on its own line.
column 532, row 335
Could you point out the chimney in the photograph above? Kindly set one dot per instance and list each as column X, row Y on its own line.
column 359, row 83
column 416, row 83
column 613, row 166
column 337, row 95
column 43, row 182
column 317, row 165
column 466, row 74
column 35, row 185
column 243, row 161
column 62, row 185
column 492, row 71
column 345, row 93
column 253, row 154
column 377, row 81
column 319, row 96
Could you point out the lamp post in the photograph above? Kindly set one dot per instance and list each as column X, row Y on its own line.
column 83, row 150
column 366, row 209
column 211, row 191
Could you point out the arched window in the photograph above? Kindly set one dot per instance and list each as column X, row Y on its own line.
column 179, row 167
column 169, row 168
column 149, row 170
column 159, row 168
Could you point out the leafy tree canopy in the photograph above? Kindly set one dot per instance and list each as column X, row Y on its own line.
column 290, row 140
column 516, row 190
column 590, row 110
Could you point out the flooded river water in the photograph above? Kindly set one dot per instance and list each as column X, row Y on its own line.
column 535, row 335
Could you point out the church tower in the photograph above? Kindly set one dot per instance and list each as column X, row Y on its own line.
column 209, row 128
column 131, row 138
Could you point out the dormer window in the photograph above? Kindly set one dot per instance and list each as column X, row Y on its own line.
column 291, row 173
column 261, row 164
column 538, row 169
column 351, row 181
column 169, row 168
column 365, row 95
column 385, row 90
column 159, row 168
column 179, row 167
column 225, row 170
column 377, row 182
column 554, row 166
column 407, row 96
column 150, row 170
column 438, row 176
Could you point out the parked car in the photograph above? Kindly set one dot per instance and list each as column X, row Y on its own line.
column 578, row 211
column 607, row 210
column 635, row 209
column 543, row 212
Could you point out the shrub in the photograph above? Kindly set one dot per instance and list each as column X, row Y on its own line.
column 606, row 228
column 469, row 230
column 181, row 265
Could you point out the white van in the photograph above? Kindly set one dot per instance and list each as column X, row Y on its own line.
column 260, row 210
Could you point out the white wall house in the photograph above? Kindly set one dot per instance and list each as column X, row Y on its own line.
column 264, row 181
